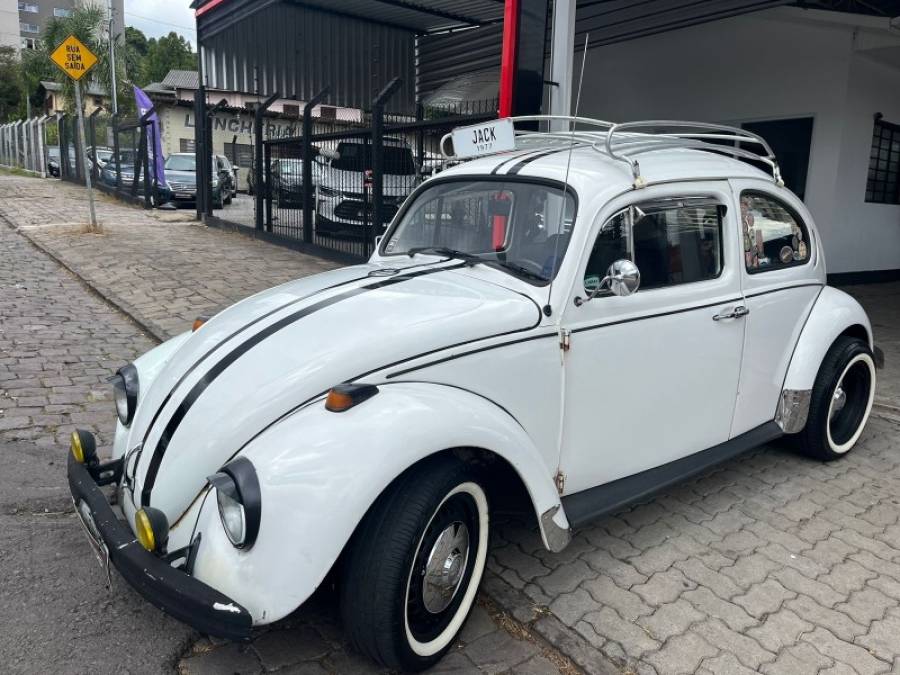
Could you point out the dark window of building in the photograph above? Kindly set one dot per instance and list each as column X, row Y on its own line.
column 327, row 112
column 291, row 110
column 239, row 154
column 883, row 185
column 185, row 145
column 790, row 140
column 62, row 12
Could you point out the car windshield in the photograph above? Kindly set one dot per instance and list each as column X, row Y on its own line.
column 518, row 226
column 181, row 162
column 398, row 161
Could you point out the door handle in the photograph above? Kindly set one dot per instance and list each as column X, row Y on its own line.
column 735, row 313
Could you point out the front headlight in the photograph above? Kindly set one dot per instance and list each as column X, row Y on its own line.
column 125, row 391
column 239, row 498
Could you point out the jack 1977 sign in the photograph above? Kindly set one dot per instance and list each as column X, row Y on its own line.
column 484, row 139
column 73, row 58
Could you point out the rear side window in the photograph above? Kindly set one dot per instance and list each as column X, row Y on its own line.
column 774, row 235
column 672, row 241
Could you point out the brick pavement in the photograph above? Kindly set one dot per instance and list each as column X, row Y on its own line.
column 770, row 563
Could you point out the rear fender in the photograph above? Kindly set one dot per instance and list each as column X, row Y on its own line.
column 832, row 315
column 320, row 472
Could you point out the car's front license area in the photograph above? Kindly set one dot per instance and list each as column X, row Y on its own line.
column 171, row 589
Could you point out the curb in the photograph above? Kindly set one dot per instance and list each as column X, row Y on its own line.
column 545, row 627
column 106, row 294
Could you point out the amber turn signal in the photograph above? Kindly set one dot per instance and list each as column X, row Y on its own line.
column 345, row 396
column 199, row 321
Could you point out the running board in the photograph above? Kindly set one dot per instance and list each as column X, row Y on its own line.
column 592, row 503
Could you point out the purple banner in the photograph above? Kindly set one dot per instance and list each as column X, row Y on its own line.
column 158, row 165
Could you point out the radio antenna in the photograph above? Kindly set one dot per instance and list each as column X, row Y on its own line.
column 548, row 310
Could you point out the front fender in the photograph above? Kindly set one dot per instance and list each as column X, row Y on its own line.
column 149, row 365
column 833, row 313
column 319, row 472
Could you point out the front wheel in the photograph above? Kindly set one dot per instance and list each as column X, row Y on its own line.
column 414, row 565
column 841, row 400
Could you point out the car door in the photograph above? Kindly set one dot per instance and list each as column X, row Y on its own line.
column 781, row 278
column 653, row 377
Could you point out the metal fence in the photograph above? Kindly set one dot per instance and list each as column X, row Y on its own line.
column 337, row 188
column 23, row 145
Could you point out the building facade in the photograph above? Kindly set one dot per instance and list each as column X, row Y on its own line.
column 32, row 16
column 822, row 87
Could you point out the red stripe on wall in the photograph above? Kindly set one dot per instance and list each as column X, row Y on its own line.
column 508, row 62
column 208, row 6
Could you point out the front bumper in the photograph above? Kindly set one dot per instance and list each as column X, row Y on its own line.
column 171, row 590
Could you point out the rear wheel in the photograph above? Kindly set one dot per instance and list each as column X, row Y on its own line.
column 413, row 569
column 841, row 400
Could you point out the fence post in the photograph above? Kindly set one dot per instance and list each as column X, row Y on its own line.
column 378, row 156
column 16, row 142
column 41, row 144
column 267, row 186
column 308, row 193
column 199, row 144
column 115, row 128
column 207, row 158
column 145, row 142
column 259, row 191
column 92, row 133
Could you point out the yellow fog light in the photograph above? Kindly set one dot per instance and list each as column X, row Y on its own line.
column 83, row 447
column 152, row 529
column 144, row 530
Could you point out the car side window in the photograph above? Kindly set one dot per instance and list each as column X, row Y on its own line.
column 672, row 241
column 774, row 235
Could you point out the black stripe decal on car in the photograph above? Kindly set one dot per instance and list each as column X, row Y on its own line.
column 528, row 160
column 198, row 389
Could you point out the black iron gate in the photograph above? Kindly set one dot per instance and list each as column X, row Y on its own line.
column 339, row 184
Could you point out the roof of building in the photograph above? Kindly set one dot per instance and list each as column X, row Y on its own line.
column 182, row 79
column 92, row 89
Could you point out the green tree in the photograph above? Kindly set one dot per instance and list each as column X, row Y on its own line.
column 135, row 55
column 170, row 52
column 11, row 89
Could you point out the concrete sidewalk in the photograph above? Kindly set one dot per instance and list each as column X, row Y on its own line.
column 770, row 563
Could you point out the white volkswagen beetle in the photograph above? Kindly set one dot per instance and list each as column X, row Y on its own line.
column 558, row 321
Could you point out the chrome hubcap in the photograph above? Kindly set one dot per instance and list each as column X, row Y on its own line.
column 839, row 400
column 445, row 568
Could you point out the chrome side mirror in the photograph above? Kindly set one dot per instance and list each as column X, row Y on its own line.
column 623, row 278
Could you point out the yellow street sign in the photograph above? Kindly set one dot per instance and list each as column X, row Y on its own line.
column 73, row 57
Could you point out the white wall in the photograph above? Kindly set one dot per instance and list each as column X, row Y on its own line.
column 775, row 64
column 9, row 24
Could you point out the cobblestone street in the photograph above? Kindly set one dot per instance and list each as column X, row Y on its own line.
column 771, row 563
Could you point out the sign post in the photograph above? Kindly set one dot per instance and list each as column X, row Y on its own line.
column 75, row 60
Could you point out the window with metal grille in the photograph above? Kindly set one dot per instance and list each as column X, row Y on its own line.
column 29, row 28
column 883, row 185
column 185, row 145
column 327, row 112
column 291, row 110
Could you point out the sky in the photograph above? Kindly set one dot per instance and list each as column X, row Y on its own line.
column 158, row 17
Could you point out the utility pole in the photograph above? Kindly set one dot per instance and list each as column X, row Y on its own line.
column 112, row 62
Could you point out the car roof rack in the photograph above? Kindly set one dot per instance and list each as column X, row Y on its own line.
column 625, row 141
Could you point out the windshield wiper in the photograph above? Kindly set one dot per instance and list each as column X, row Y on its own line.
column 523, row 271
column 449, row 252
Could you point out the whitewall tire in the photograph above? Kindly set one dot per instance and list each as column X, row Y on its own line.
column 412, row 570
column 841, row 400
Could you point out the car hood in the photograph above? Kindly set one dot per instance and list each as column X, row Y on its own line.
column 188, row 177
column 262, row 358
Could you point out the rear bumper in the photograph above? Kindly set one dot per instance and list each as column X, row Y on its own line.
column 171, row 590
